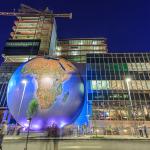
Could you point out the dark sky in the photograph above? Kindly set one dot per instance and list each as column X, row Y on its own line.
column 125, row 23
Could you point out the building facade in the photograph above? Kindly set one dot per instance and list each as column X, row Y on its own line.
column 30, row 27
column 75, row 49
column 118, row 87
column 33, row 33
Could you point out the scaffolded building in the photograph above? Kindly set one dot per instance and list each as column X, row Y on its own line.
column 33, row 34
column 117, row 86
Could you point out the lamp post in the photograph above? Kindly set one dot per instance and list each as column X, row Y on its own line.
column 88, row 122
column 32, row 110
column 29, row 123
column 24, row 82
column 128, row 80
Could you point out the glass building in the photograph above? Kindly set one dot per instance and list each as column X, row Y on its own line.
column 76, row 49
column 118, row 88
column 117, row 85
column 6, row 71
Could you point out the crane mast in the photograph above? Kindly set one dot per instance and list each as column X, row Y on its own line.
column 33, row 34
column 64, row 15
column 28, row 11
column 32, row 24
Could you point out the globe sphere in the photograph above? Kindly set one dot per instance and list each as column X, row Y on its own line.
column 47, row 90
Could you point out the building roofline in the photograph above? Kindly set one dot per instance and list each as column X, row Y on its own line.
column 98, row 38
column 108, row 53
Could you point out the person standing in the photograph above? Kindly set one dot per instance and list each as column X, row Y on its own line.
column 3, row 131
column 145, row 130
column 1, row 139
column 4, row 128
column 18, row 129
column 140, row 131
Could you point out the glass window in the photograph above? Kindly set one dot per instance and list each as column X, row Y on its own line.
column 98, row 85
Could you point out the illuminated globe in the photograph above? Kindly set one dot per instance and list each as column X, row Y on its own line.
column 47, row 89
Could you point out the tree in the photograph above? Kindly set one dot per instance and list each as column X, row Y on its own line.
column 32, row 110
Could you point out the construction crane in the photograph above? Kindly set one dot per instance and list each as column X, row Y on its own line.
column 28, row 11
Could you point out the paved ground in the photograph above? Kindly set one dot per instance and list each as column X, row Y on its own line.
column 104, row 145
column 77, row 143
column 81, row 137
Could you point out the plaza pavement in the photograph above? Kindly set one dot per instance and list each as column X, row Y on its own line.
column 84, row 142
column 40, row 136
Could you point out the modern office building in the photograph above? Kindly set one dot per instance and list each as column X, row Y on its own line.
column 6, row 71
column 75, row 49
column 118, row 88
column 117, row 85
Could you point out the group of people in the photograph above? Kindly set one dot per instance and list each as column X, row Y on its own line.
column 5, row 130
column 143, row 131
column 53, row 131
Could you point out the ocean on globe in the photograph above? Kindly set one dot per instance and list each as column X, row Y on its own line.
column 48, row 90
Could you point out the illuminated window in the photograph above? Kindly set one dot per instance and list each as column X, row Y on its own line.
column 75, row 53
column 139, row 67
column 21, row 44
column 96, row 48
column 58, row 53
column 99, row 85
column 94, row 42
column 58, row 48
column 81, row 43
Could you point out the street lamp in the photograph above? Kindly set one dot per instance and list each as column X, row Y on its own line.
column 88, row 122
column 128, row 80
column 29, row 123
column 24, row 82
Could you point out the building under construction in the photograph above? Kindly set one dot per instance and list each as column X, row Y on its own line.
column 34, row 34
column 117, row 87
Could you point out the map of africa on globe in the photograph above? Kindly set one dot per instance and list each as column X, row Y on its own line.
column 52, row 85
column 49, row 79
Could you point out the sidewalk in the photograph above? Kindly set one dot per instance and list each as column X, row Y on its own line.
column 103, row 137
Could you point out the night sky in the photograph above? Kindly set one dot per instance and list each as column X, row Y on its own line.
column 125, row 23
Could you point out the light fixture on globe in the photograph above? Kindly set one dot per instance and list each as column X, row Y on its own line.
column 53, row 85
